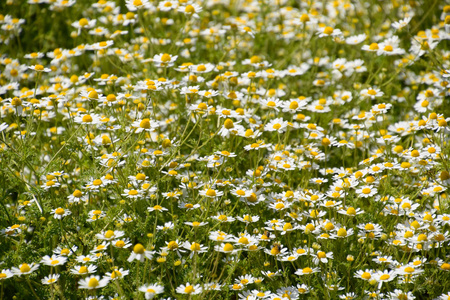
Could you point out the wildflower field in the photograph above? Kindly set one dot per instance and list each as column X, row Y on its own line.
column 224, row 149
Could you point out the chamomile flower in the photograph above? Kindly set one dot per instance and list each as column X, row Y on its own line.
column 93, row 282
column 223, row 218
column 95, row 215
column 86, row 258
column 384, row 276
column 24, row 269
column 327, row 31
column 151, row 290
column 121, row 243
column 226, row 248
column 356, row 39
column 189, row 289
column 84, row 23
column 248, row 218
column 54, row 260
column 164, row 60
column 398, row 25
column 272, row 103
column 366, row 191
column 195, row 248
column 134, row 5
column 83, row 270
column 279, row 125
column 144, row 124
column 140, row 253
column 109, row 235
column 60, row 213
column 390, row 47
column 307, row 271
column 371, row 93
column 321, row 257
column 116, row 273
column 211, row 193
column 196, row 224
column 100, row 45
column 50, row 279
column 65, row 250
column 5, row 274
column 87, row 119
column 50, row 184
column 201, row 68
column 39, row 68
column 102, row 247
column 366, row 275
column 77, row 197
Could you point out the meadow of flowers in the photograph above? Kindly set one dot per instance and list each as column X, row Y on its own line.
column 224, row 149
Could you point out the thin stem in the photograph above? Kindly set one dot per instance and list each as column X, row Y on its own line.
column 32, row 290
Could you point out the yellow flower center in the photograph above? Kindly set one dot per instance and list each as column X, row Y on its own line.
column 293, row 105
column 228, row 247
column 328, row 30
column 385, row 277
column 422, row 237
column 145, row 123
column 189, row 9
column 211, row 193
column 287, row 226
column 65, row 251
column 140, row 176
column 228, row 124
column 115, row 274
column 165, row 57
column 195, row 247
column 93, row 282
column 279, row 205
column 373, row 46
column 83, row 22
column 111, row 97
column 139, row 249
column 24, row 268
column 109, row 234
column 342, row 232
column 87, row 119
column 202, row 106
column 371, row 92
column 172, row 245
column 406, row 206
column 201, row 68
column 132, row 192
column 369, row 227
column 189, row 289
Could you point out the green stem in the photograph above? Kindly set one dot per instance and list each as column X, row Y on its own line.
column 32, row 290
